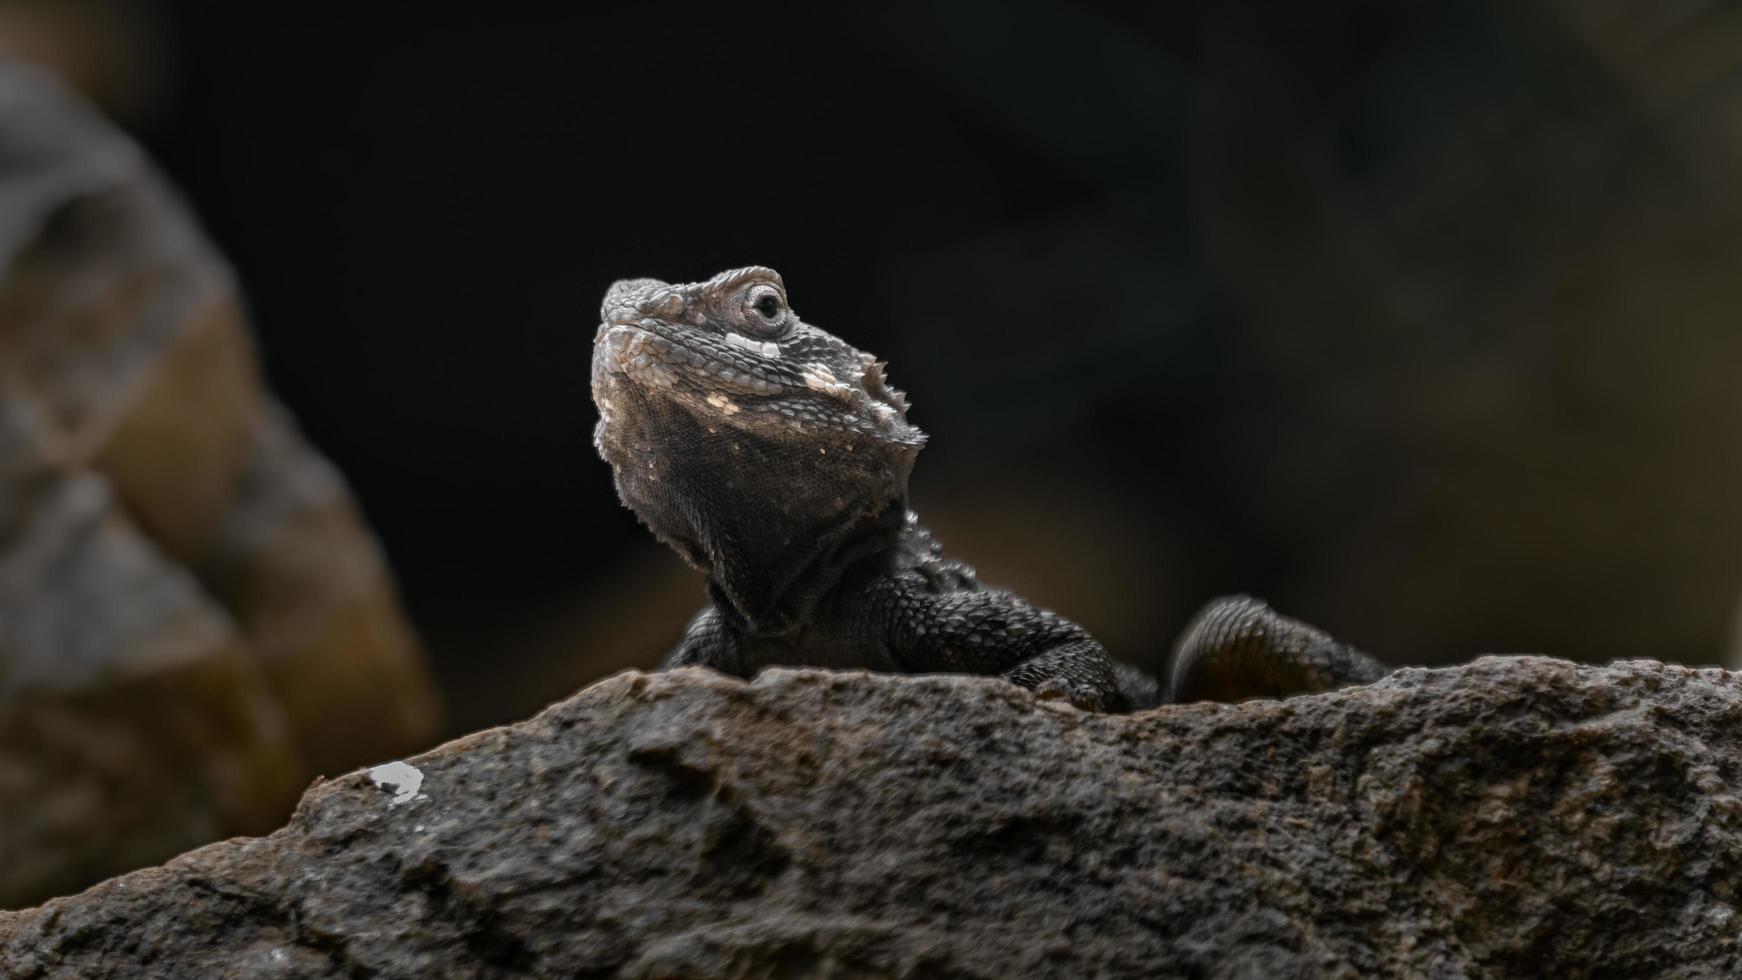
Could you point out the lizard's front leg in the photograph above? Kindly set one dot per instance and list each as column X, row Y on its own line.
column 1237, row 648
column 708, row 642
column 994, row 632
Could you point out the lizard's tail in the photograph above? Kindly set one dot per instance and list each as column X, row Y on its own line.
column 1237, row 648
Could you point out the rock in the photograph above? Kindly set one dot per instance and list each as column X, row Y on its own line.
column 193, row 617
column 312, row 593
column 133, row 726
column 1516, row 817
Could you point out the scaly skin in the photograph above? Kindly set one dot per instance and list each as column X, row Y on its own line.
column 775, row 457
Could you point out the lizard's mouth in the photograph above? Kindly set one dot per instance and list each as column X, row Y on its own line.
column 724, row 374
column 655, row 360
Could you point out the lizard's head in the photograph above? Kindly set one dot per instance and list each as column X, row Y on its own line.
column 730, row 350
column 752, row 442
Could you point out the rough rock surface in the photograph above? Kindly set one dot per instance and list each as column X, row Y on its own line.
column 193, row 618
column 1515, row 817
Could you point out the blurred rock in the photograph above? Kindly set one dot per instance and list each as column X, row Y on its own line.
column 1516, row 817
column 132, row 724
column 1420, row 321
column 193, row 617
column 308, row 585
column 1488, row 266
column 116, row 53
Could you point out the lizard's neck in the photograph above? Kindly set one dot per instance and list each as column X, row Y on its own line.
column 761, row 605
column 774, row 515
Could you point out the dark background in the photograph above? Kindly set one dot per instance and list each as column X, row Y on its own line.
column 1418, row 320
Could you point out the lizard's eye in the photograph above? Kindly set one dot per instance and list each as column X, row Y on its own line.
column 765, row 309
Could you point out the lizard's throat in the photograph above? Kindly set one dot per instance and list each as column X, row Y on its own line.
column 774, row 591
column 773, row 521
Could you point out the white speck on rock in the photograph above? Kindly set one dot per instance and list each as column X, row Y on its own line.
column 401, row 780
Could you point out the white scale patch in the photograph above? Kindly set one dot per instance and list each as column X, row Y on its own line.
column 818, row 377
column 763, row 347
column 723, row 403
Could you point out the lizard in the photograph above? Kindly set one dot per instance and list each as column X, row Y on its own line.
column 775, row 458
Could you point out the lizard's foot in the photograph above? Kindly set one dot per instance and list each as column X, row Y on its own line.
column 1239, row 648
column 1058, row 689
column 1137, row 688
column 1080, row 673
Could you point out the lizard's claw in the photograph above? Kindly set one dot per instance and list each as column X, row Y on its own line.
column 1080, row 696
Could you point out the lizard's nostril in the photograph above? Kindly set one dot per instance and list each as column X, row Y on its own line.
column 616, row 339
column 625, row 295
